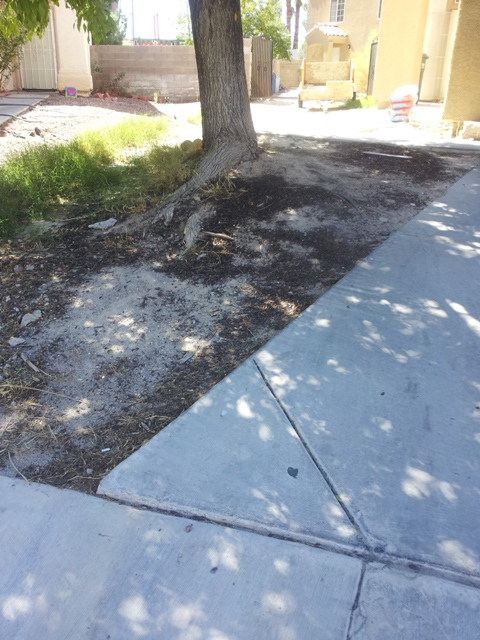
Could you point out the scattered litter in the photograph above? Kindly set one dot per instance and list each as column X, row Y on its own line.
column 89, row 472
column 292, row 472
column 186, row 358
column 29, row 363
column 386, row 155
column 105, row 224
column 218, row 235
column 106, row 450
column 188, row 528
column 14, row 342
column 30, row 317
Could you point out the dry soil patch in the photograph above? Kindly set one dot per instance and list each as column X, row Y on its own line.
column 133, row 329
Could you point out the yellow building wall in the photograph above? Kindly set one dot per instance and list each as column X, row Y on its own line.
column 288, row 71
column 400, row 44
column 72, row 51
column 449, row 50
column 361, row 18
column 463, row 94
column 437, row 34
column 320, row 72
column 14, row 83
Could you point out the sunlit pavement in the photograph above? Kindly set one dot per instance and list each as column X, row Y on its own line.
column 14, row 103
column 328, row 488
column 280, row 116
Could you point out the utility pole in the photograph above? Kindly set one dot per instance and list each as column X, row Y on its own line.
column 133, row 20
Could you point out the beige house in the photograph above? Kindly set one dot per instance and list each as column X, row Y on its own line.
column 358, row 18
column 326, row 71
column 445, row 30
column 60, row 58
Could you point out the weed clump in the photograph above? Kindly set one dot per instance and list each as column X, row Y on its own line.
column 120, row 169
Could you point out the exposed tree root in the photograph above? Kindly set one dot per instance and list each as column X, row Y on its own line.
column 222, row 158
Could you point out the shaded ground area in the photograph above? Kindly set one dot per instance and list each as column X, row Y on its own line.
column 133, row 328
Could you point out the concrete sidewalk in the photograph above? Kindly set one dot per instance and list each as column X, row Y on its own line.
column 328, row 488
column 13, row 104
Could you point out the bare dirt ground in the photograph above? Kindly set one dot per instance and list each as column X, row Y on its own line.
column 130, row 329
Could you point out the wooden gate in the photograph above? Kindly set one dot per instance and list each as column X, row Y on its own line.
column 38, row 68
column 261, row 68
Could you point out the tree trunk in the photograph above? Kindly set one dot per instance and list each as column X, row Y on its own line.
column 289, row 14
column 228, row 133
column 226, row 117
column 298, row 6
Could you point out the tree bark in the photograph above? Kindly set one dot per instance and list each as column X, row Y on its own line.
column 228, row 133
column 226, row 117
column 298, row 6
column 289, row 14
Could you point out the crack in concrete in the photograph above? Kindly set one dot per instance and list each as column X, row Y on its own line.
column 356, row 605
column 363, row 536
column 389, row 560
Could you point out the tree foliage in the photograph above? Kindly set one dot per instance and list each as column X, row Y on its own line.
column 184, row 25
column 118, row 29
column 12, row 39
column 33, row 15
column 263, row 18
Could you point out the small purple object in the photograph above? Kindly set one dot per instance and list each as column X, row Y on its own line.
column 70, row 92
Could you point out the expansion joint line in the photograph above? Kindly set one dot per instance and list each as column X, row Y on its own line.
column 356, row 603
column 317, row 464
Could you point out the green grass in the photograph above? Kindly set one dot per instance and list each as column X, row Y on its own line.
column 358, row 103
column 119, row 169
column 196, row 119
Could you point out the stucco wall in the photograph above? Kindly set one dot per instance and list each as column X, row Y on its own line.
column 463, row 95
column 339, row 90
column 169, row 71
column 320, row 72
column 14, row 82
column 288, row 71
column 435, row 46
column 72, row 51
column 400, row 44
column 449, row 50
column 361, row 18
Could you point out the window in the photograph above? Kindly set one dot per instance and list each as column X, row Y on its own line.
column 337, row 10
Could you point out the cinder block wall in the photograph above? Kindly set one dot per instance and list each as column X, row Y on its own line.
column 169, row 71
column 288, row 71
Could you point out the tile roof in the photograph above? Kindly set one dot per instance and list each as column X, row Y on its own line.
column 329, row 30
